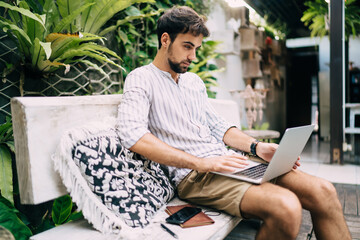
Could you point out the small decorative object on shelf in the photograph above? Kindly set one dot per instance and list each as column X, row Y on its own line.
column 253, row 103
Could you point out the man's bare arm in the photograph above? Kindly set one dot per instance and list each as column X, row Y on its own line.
column 237, row 139
column 156, row 150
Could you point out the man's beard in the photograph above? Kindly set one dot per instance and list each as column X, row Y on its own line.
column 176, row 67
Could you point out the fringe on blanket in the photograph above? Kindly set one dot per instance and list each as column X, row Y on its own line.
column 92, row 208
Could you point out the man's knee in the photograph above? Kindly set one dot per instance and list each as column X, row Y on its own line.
column 324, row 195
column 287, row 214
column 289, row 206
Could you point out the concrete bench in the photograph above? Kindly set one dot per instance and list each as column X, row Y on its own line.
column 39, row 123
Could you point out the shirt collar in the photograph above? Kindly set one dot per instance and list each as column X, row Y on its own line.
column 167, row 74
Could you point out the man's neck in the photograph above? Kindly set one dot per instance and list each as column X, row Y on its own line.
column 161, row 63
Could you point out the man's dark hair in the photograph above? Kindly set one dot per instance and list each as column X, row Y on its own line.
column 181, row 20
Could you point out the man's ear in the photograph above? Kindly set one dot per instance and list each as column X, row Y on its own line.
column 165, row 39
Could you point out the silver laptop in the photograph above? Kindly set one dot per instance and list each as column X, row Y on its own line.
column 285, row 156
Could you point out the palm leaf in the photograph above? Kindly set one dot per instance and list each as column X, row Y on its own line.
column 197, row 66
column 85, row 50
column 95, row 47
column 33, row 28
column 66, row 21
column 62, row 42
column 38, row 54
column 24, row 12
column 66, row 8
column 97, row 15
column 52, row 15
column 128, row 19
column 22, row 36
column 6, row 184
column 95, row 66
column 49, row 66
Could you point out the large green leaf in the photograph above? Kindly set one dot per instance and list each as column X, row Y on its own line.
column 66, row 21
column 7, row 25
column 67, row 8
column 6, row 184
column 93, row 65
column 10, row 221
column 24, row 12
column 39, row 52
column 85, row 50
column 61, row 209
column 127, row 19
column 23, row 41
column 62, row 42
column 97, row 15
column 52, row 15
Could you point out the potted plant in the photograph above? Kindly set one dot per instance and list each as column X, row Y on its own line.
column 316, row 17
column 61, row 33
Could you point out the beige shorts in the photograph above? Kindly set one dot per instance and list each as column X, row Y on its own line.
column 213, row 190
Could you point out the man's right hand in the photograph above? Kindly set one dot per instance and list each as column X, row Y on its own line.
column 225, row 164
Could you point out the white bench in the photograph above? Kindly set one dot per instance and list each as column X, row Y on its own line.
column 39, row 123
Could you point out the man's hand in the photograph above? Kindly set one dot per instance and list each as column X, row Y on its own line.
column 227, row 163
column 266, row 151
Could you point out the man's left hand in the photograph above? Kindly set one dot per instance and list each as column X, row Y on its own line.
column 266, row 151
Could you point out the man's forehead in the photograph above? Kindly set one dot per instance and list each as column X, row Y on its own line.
column 190, row 38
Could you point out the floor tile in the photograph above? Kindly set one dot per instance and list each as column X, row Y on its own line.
column 338, row 174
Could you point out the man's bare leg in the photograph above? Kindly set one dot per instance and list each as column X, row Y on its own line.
column 320, row 198
column 279, row 208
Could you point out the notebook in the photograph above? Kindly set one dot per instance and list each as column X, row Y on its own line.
column 199, row 219
column 285, row 156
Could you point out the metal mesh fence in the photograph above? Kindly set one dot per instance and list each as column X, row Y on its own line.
column 80, row 80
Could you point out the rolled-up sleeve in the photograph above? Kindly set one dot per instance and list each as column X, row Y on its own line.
column 133, row 111
column 217, row 124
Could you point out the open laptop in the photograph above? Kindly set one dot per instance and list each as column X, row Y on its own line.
column 285, row 156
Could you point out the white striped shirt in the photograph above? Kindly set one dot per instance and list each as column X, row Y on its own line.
column 178, row 114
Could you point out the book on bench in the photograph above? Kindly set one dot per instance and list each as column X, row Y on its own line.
column 200, row 219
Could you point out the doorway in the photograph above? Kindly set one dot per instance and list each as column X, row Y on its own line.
column 302, row 87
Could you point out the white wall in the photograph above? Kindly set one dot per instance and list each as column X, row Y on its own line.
column 221, row 30
column 231, row 78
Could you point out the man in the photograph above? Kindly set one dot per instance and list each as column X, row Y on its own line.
column 165, row 116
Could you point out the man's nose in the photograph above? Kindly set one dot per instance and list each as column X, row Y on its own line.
column 192, row 55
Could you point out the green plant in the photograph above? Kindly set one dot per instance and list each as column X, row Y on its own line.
column 40, row 43
column 137, row 39
column 63, row 211
column 318, row 10
column 6, row 147
column 10, row 218
column 203, row 66
column 62, row 32
column 138, row 42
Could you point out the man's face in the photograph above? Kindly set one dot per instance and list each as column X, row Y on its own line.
column 182, row 51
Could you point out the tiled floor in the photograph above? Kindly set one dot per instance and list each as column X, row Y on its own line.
column 315, row 160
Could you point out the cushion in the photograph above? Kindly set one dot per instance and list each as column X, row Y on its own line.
column 114, row 187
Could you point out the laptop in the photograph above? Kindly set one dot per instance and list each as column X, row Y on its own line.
column 285, row 156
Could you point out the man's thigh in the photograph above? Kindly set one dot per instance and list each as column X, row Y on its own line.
column 213, row 190
column 305, row 186
column 267, row 199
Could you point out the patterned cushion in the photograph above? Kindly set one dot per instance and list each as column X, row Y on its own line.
column 131, row 187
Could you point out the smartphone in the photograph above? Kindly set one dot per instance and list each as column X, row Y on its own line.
column 183, row 215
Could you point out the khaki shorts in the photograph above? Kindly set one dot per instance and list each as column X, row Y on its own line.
column 213, row 190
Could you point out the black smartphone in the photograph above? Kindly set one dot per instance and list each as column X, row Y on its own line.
column 183, row 215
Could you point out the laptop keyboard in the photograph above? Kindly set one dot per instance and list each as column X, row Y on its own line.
column 255, row 172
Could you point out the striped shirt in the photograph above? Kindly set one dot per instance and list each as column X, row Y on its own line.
column 179, row 114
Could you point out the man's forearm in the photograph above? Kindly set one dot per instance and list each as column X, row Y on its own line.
column 235, row 138
column 156, row 150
